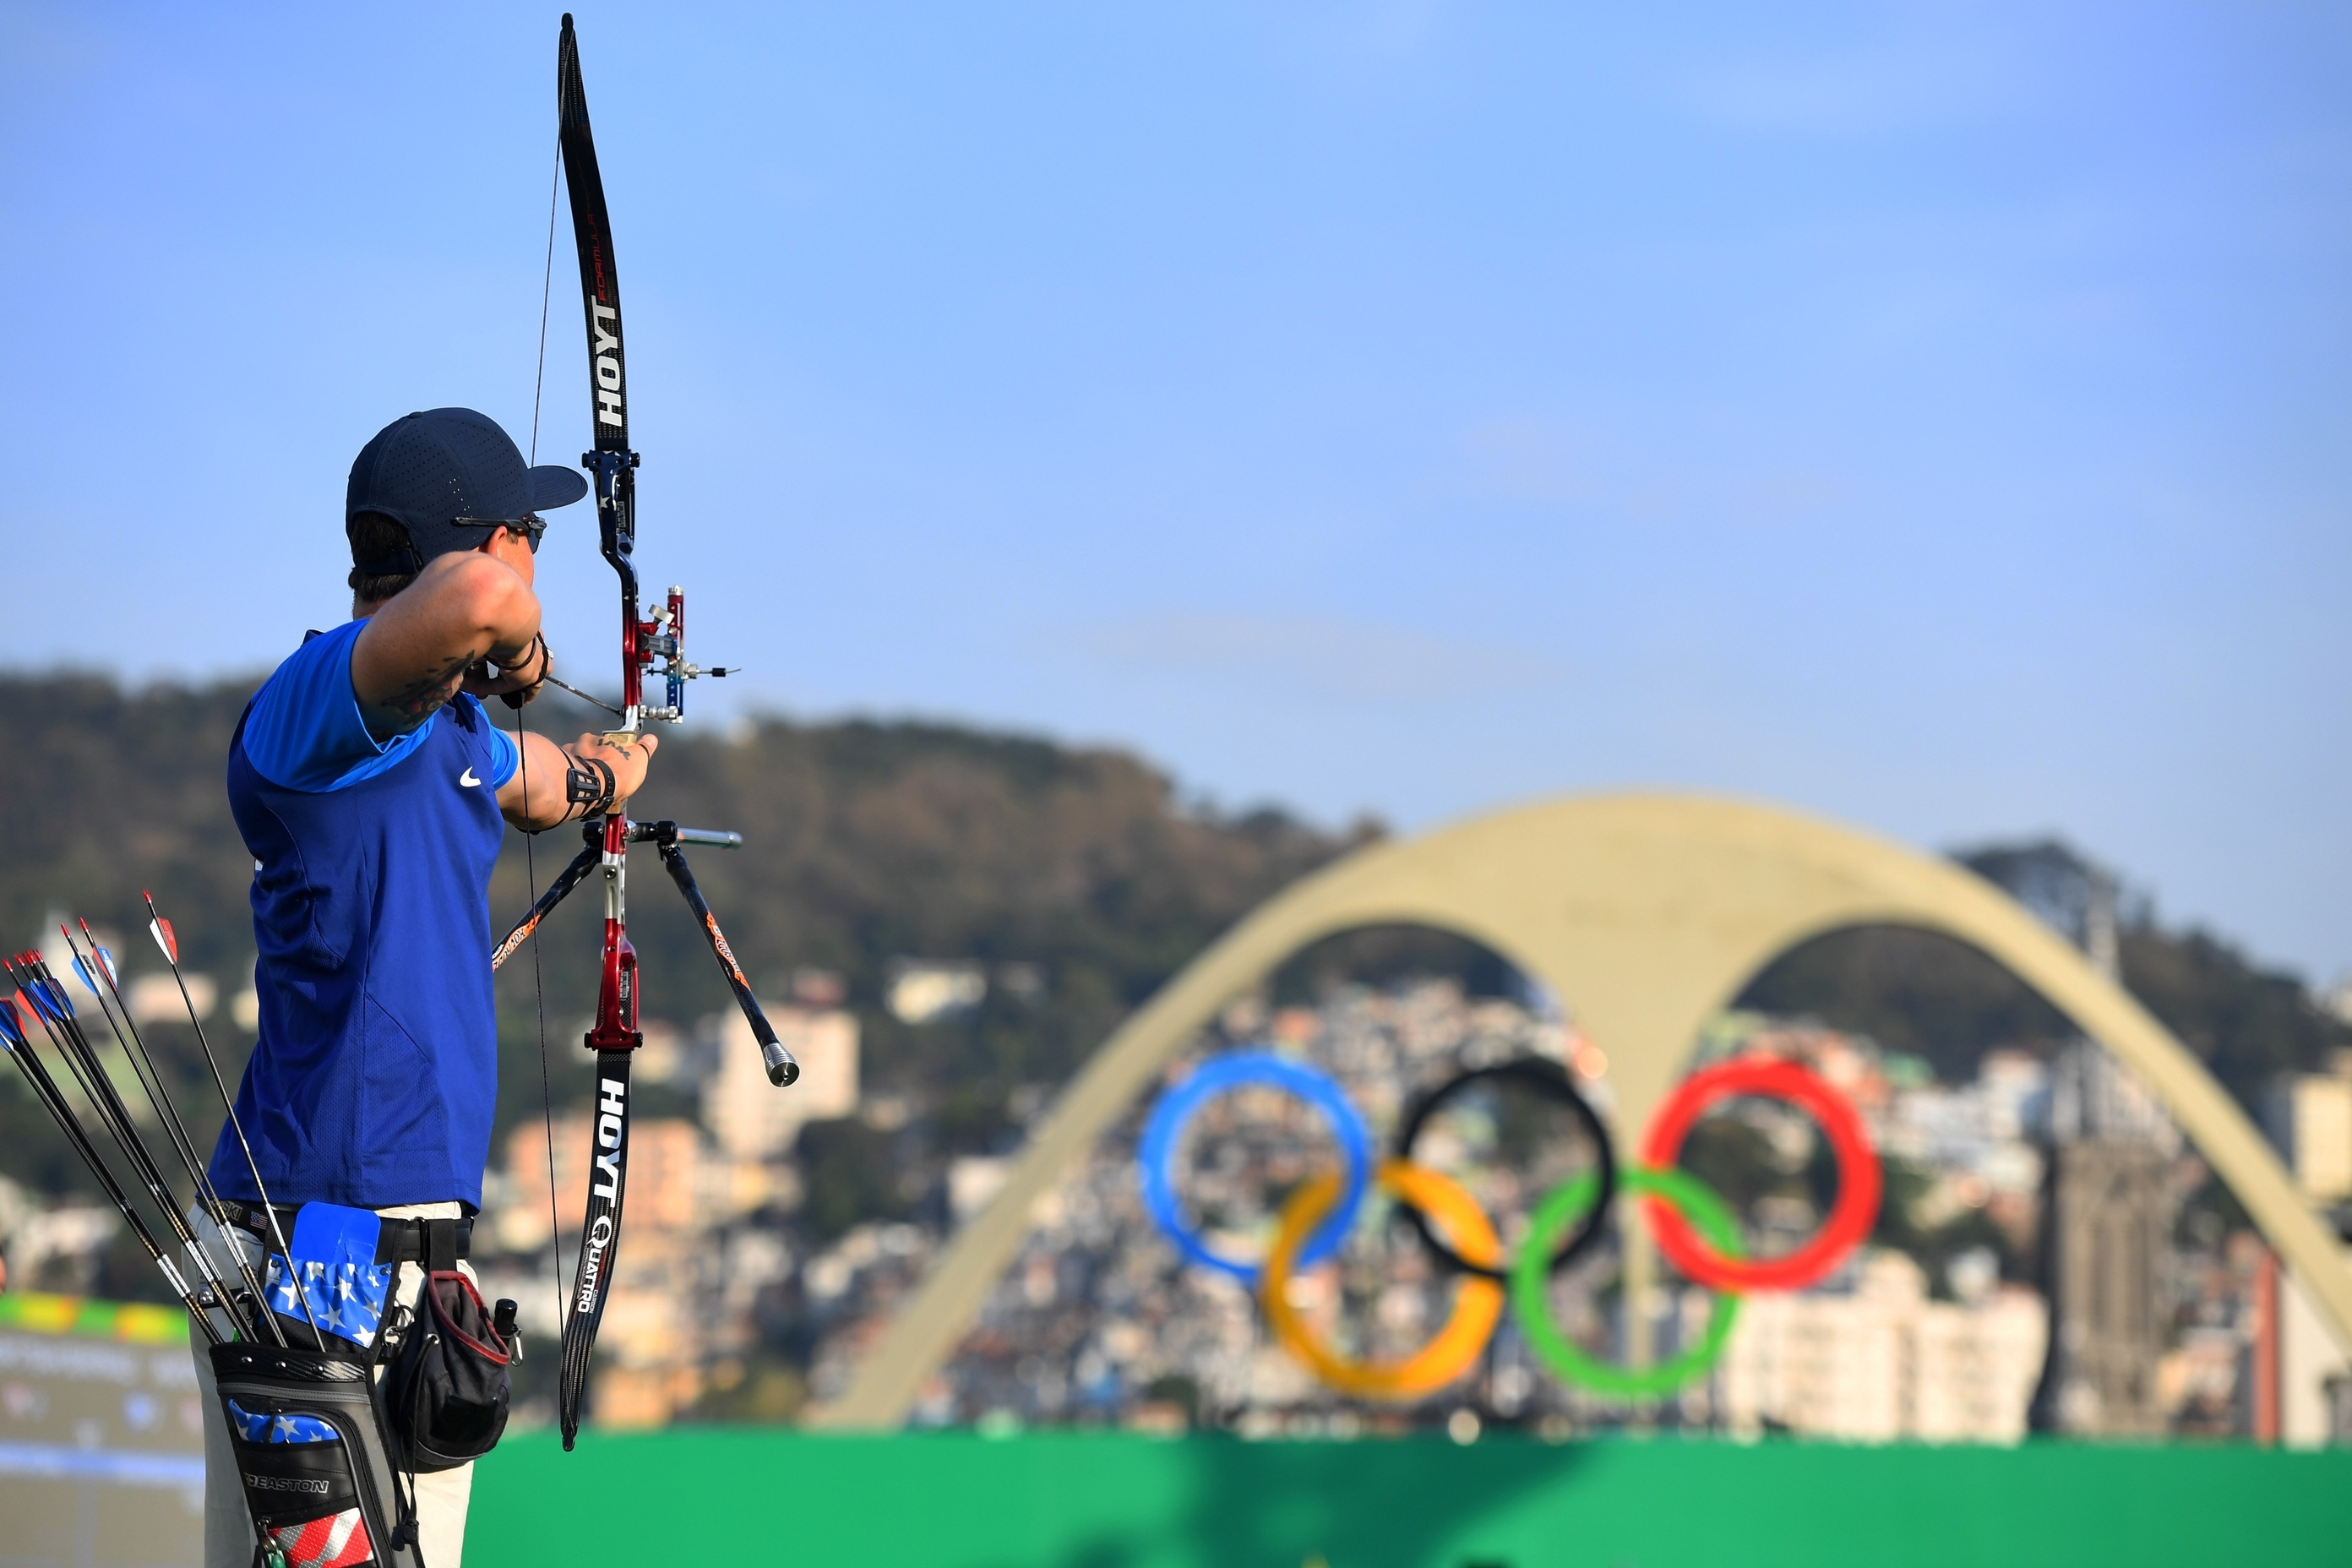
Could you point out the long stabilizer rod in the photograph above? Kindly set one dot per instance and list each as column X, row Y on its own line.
column 667, row 836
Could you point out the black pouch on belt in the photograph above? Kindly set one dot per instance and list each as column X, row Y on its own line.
column 447, row 1387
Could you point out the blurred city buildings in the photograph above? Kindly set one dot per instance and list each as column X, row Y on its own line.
column 924, row 990
column 1885, row 1360
column 2037, row 1172
column 1098, row 1320
column 705, row 1211
column 741, row 1109
column 2042, row 1175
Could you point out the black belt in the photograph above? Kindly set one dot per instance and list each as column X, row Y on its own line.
column 438, row 1244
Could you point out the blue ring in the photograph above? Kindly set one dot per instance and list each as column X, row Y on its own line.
column 1157, row 1156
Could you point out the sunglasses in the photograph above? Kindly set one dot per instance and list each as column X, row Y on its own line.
column 530, row 524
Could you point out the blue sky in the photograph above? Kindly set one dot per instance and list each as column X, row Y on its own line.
column 1933, row 416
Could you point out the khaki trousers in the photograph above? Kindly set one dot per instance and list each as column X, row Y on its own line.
column 441, row 1496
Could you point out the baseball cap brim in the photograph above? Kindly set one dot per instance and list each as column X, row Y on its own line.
column 551, row 485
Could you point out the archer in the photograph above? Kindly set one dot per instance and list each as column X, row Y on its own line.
column 369, row 785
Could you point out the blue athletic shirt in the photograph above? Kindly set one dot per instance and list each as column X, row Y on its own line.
column 376, row 1071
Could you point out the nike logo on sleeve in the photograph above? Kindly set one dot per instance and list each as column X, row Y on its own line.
column 468, row 779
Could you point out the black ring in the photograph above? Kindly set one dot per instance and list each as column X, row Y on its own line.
column 1548, row 1078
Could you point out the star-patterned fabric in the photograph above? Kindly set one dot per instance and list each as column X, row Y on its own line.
column 261, row 1426
column 334, row 1257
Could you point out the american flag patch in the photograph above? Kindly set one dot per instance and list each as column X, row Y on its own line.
column 338, row 1541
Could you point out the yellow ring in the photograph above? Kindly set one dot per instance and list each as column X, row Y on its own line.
column 1478, row 1303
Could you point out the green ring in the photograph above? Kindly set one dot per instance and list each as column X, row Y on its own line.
column 1531, row 1268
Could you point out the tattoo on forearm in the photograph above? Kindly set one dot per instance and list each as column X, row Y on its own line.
column 429, row 692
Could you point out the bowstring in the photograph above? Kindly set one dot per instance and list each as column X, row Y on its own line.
column 539, row 994
column 530, row 869
column 546, row 288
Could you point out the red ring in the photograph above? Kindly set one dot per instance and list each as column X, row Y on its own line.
column 1860, row 1180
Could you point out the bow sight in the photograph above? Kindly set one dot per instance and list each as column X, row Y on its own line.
column 661, row 635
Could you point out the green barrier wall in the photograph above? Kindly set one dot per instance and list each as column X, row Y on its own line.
column 958, row 1500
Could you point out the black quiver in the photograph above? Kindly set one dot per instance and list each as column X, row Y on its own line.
column 325, row 1493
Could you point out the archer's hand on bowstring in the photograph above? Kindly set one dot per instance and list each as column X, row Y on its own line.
column 513, row 675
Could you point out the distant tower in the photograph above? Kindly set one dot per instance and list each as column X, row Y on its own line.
column 2111, row 1222
column 2101, row 944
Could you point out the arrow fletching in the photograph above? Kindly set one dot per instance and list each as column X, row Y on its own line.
column 12, row 1028
column 161, row 930
column 81, row 966
column 105, row 959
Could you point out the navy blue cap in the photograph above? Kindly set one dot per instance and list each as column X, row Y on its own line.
column 449, row 476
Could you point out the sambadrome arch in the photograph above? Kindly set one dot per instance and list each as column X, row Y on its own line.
column 1647, row 914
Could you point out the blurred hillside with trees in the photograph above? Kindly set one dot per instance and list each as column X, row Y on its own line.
column 1929, row 995
column 867, row 843
column 864, row 843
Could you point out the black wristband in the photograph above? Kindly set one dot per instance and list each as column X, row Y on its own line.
column 591, row 784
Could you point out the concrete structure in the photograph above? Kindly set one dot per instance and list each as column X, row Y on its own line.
column 1646, row 915
column 2309, row 1117
column 2314, row 1396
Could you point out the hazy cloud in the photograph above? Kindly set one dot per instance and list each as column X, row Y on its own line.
column 1896, row 85
column 1347, row 660
column 1526, row 458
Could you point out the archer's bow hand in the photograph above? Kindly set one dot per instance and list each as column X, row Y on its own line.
column 627, row 763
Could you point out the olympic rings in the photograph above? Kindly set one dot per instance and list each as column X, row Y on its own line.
column 1562, row 1207
column 1859, row 1177
column 1547, row 1078
column 1178, row 1105
column 1478, row 1302
column 1681, row 1209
